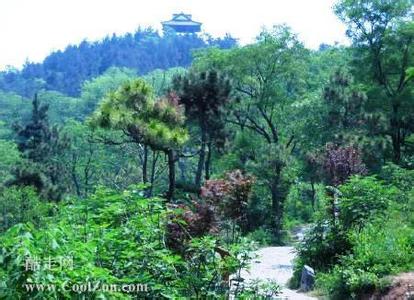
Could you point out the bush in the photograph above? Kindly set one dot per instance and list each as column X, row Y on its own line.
column 401, row 178
column 378, row 250
column 21, row 205
column 231, row 196
column 363, row 198
column 185, row 223
column 114, row 238
column 262, row 236
column 355, row 249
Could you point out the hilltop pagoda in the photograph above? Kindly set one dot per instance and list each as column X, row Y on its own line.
column 182, row 23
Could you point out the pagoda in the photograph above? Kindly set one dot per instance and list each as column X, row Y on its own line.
column 182, row 23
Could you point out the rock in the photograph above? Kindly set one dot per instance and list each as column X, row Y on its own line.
column 308, row 279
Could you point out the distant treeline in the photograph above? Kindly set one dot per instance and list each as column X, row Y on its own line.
column 144, row 51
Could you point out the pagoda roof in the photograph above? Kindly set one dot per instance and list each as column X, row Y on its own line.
column 181, row 19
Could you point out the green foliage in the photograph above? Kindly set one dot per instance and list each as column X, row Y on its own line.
column 205, row 96
column 133, row 109
column 302, row 201
column 61, row 108
column 322, row 247
column 161, row 80
column 204, row 271
column 12, row 81
column 21, row 205
column 143, row 51
column 260, row 289
column 383, row 34
column 13, row 108
column 379, row 249
column 10, row 156
column 364, row 198
column 373, row 17
column 371, row 237
column 90, row 162
column 95, row 89
column 273, row 168
column 403, row 179
column 344, row 106
column 158, row 125
column 40, row 145
column 114, row 238
column 262, row 236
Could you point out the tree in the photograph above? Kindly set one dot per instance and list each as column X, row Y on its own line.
column 339, row 163
column 344, row 103
column 41, row 145
column 205, row 96
column 383, row 35
column 10, row 156
column 161, row 80
column 268, row 79
column 13, row 108
column 21, row 205
column 133, row 111
column 143, row 51
column 98, row 157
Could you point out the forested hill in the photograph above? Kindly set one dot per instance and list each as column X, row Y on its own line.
column 144, row 51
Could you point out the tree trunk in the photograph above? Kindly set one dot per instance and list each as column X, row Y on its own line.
column 152, row 178
column 171, row 175
column 277, row 209
column 275, row 212
column 145, row 165
column 202, row 157
column 279, row 190
column 208, row 161
column 313, row 194
column 396, row 134
column 75, row 177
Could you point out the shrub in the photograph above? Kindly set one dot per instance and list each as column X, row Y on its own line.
column 363, row 198
column 21, row 205
column 114, row 238
column 339, row 163
column 261, row 236
column 332, row 244
column 401, row 178
column 378, row 250
column 185, row 223
column 230, row 196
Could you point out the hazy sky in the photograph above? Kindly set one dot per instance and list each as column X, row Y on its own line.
column 31, row 29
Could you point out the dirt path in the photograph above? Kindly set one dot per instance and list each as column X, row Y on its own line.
column 275, row 263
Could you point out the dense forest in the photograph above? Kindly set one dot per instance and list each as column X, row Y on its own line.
column 144, row 51
column 154, row 165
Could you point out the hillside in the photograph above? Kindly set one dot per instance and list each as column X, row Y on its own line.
column 144, row 51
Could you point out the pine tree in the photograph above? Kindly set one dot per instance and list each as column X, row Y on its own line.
column 205, row 96
column 157, row 124
column 41, row 145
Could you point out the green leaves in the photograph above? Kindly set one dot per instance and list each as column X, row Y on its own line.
column 364, row 198
column 133, row 109
column 114, row 238
column 410, row 73
column 369, row 19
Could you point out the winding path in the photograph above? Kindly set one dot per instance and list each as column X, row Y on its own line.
column 275, row 263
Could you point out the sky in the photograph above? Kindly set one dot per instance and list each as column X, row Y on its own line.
column 31, row 29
